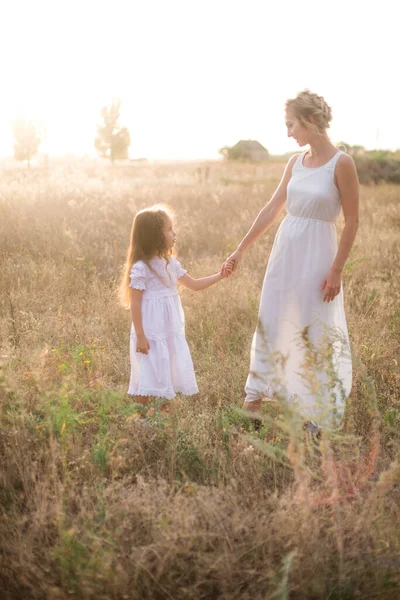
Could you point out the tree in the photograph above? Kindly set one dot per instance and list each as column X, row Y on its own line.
column 27, row 140
column 112, row 140
column 230, row 152
column 356, row 150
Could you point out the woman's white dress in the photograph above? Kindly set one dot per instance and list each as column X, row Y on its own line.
column 167, row 369
column 301, row 346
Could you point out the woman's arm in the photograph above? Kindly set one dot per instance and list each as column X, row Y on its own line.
column 266, row 216
column 346, row 181
column 142, row 344
column 200, row 284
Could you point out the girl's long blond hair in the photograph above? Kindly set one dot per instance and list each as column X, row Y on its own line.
column 146, row 241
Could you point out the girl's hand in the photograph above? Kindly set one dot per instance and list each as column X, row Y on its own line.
column 227, row 269
column 331, row 285
column 142, row 344
column 232, row 262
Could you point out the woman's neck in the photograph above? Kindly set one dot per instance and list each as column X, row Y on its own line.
column 321, row 147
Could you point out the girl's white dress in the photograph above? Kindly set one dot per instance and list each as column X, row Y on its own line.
column 167, row 368
column 301, row 344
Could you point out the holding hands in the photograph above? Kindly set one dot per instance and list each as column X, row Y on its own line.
column 231, row 263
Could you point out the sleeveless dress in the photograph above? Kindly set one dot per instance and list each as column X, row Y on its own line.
column 301, row 347
column 167, row 368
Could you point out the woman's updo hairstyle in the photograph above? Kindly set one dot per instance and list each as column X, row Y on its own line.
column 310, row 110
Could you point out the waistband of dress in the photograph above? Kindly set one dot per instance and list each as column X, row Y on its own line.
column 150, row 295
column 310, row 219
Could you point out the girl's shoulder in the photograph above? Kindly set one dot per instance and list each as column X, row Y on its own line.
column 139, row 267
column 139, row 275
column 173, row 261
column 176, row 266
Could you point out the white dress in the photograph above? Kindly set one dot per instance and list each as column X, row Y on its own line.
column 167, row 368
column 301, row 346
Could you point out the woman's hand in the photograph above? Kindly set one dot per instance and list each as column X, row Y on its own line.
column 231, row 263
column 226, row 270
column 331, row 284
column 142, row 344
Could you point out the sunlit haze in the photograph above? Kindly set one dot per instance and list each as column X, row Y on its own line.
column 195, row 76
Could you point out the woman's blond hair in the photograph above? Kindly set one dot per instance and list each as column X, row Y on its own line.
column 310, row 110
column 146, row 241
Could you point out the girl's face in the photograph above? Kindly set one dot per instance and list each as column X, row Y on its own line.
column 296, row 130
column 169, row 233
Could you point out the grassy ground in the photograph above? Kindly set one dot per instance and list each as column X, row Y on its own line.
column 96, row 505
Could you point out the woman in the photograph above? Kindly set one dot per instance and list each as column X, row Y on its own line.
column 301, row 348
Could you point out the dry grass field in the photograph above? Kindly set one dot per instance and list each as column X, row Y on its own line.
column 95, row 504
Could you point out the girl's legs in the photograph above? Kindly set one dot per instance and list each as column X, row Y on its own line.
column 168, row 406
column 142, row 400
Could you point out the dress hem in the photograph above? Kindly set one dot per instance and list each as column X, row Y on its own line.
column 159, row 394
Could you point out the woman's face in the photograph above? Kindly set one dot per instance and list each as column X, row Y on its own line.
column 296, row 130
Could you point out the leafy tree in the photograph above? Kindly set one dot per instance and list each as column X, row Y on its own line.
column 355, row 150
column 27, row 140
column 112, row 140
column 230, row 152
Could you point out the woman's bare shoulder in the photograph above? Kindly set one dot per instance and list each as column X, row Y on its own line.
column 345, row 159
column 345, row 171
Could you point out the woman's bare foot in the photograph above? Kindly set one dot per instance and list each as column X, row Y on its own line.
column 254, row 406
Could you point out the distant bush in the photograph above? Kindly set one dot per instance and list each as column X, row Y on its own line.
column 374, row 166
column 376, row 169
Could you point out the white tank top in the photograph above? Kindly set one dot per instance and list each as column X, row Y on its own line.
column 311, row 191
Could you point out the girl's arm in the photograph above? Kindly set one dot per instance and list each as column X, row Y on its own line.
column 266, row 216
column 200, row 284
column 142, row 344
column 347, row 182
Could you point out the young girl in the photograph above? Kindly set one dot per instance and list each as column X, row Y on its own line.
column 161, row 364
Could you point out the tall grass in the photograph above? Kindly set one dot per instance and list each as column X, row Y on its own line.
column 96, row 504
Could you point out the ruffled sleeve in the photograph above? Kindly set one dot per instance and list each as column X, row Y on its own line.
column 179, row 270
column 138, row 276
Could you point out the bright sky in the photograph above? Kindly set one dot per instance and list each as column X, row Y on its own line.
column 195, row 75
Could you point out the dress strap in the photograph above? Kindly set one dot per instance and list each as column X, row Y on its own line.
column 298, row 162
column 334, row 159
